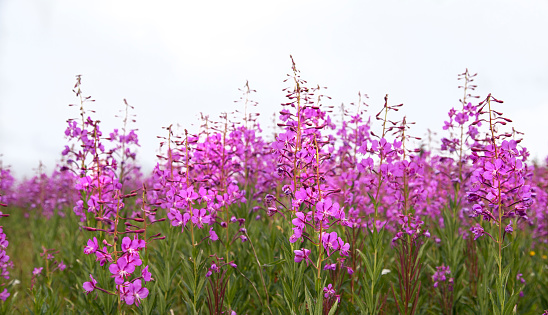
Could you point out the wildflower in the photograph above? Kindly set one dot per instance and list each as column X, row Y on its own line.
column 91, row 247
column 301, row 254
column 136, row 293
column 200, row 217
column 212, row 235
column 103, row 256
column 121, row 269
column 89, row 286
column 478, row 231
column 330, row 267
column 440, row 275
column 132, row 246
column 37, row 271
column 330, row 242
column 4, row 295
column 147, row 276
column 61, row 266
column 329, row 291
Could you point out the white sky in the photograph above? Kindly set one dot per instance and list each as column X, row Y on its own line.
column 174, row 59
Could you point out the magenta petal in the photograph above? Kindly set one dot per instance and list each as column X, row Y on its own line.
column 130, row 299
column 143, row 293
column 114, row 269
column 88, row 286
column 130, row 267
column 119, row 280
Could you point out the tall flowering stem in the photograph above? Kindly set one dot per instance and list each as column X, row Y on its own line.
column 303, row 168
column 5, row 262
column 499, row 191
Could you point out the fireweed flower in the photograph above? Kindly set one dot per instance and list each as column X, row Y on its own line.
column 478, row 231
column 200, row 218
column 147, row 276
column 329, row 291
column 212, row 235
column 136, row 292
column 330, row 267
column 89, row 286
column 121, row 270
column 302, row 254
column 330, row 242
column 4, row 258
column 91, row 247
column 440, row 275
column 4, row 295
column 132, row 247
column 103, row 256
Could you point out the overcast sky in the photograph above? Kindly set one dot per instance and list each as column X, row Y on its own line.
column 174, row 59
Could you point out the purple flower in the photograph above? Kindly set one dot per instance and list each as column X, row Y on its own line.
column 90, row 285
column 440, row 275
column 200, row 217
column 329, row 291
column 121, row 269
column 301, row 254
column 4, row 295
column 519, row 277
column 132, row 246
column 136, row 293
column 212, row 235
column 91, row 247
column 330, row 242
column 178, row 219
column 147, row 276
column 343, row 247
column 300, row 220
column 37, row 271
column 330, row 267
column 103, row 256
column 478, row 231
column 61, row 266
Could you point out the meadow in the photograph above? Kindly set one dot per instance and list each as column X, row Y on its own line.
column 325, row 215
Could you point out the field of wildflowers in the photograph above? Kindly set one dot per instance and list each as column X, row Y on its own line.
column 325, row 216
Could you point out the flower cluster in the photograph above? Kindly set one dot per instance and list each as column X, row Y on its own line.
column 129, row 287
column 5, row 263
column 499, row 188
column 441, row 276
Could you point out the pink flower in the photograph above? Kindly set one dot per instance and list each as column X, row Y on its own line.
column 147, row 276
column 330, row 242
column 212, row 235
column 91, row 247
column 301, row 254
column 136, row 293
column 329, row 291
column 4, row 295
column 90, row 285
column 121, row 269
